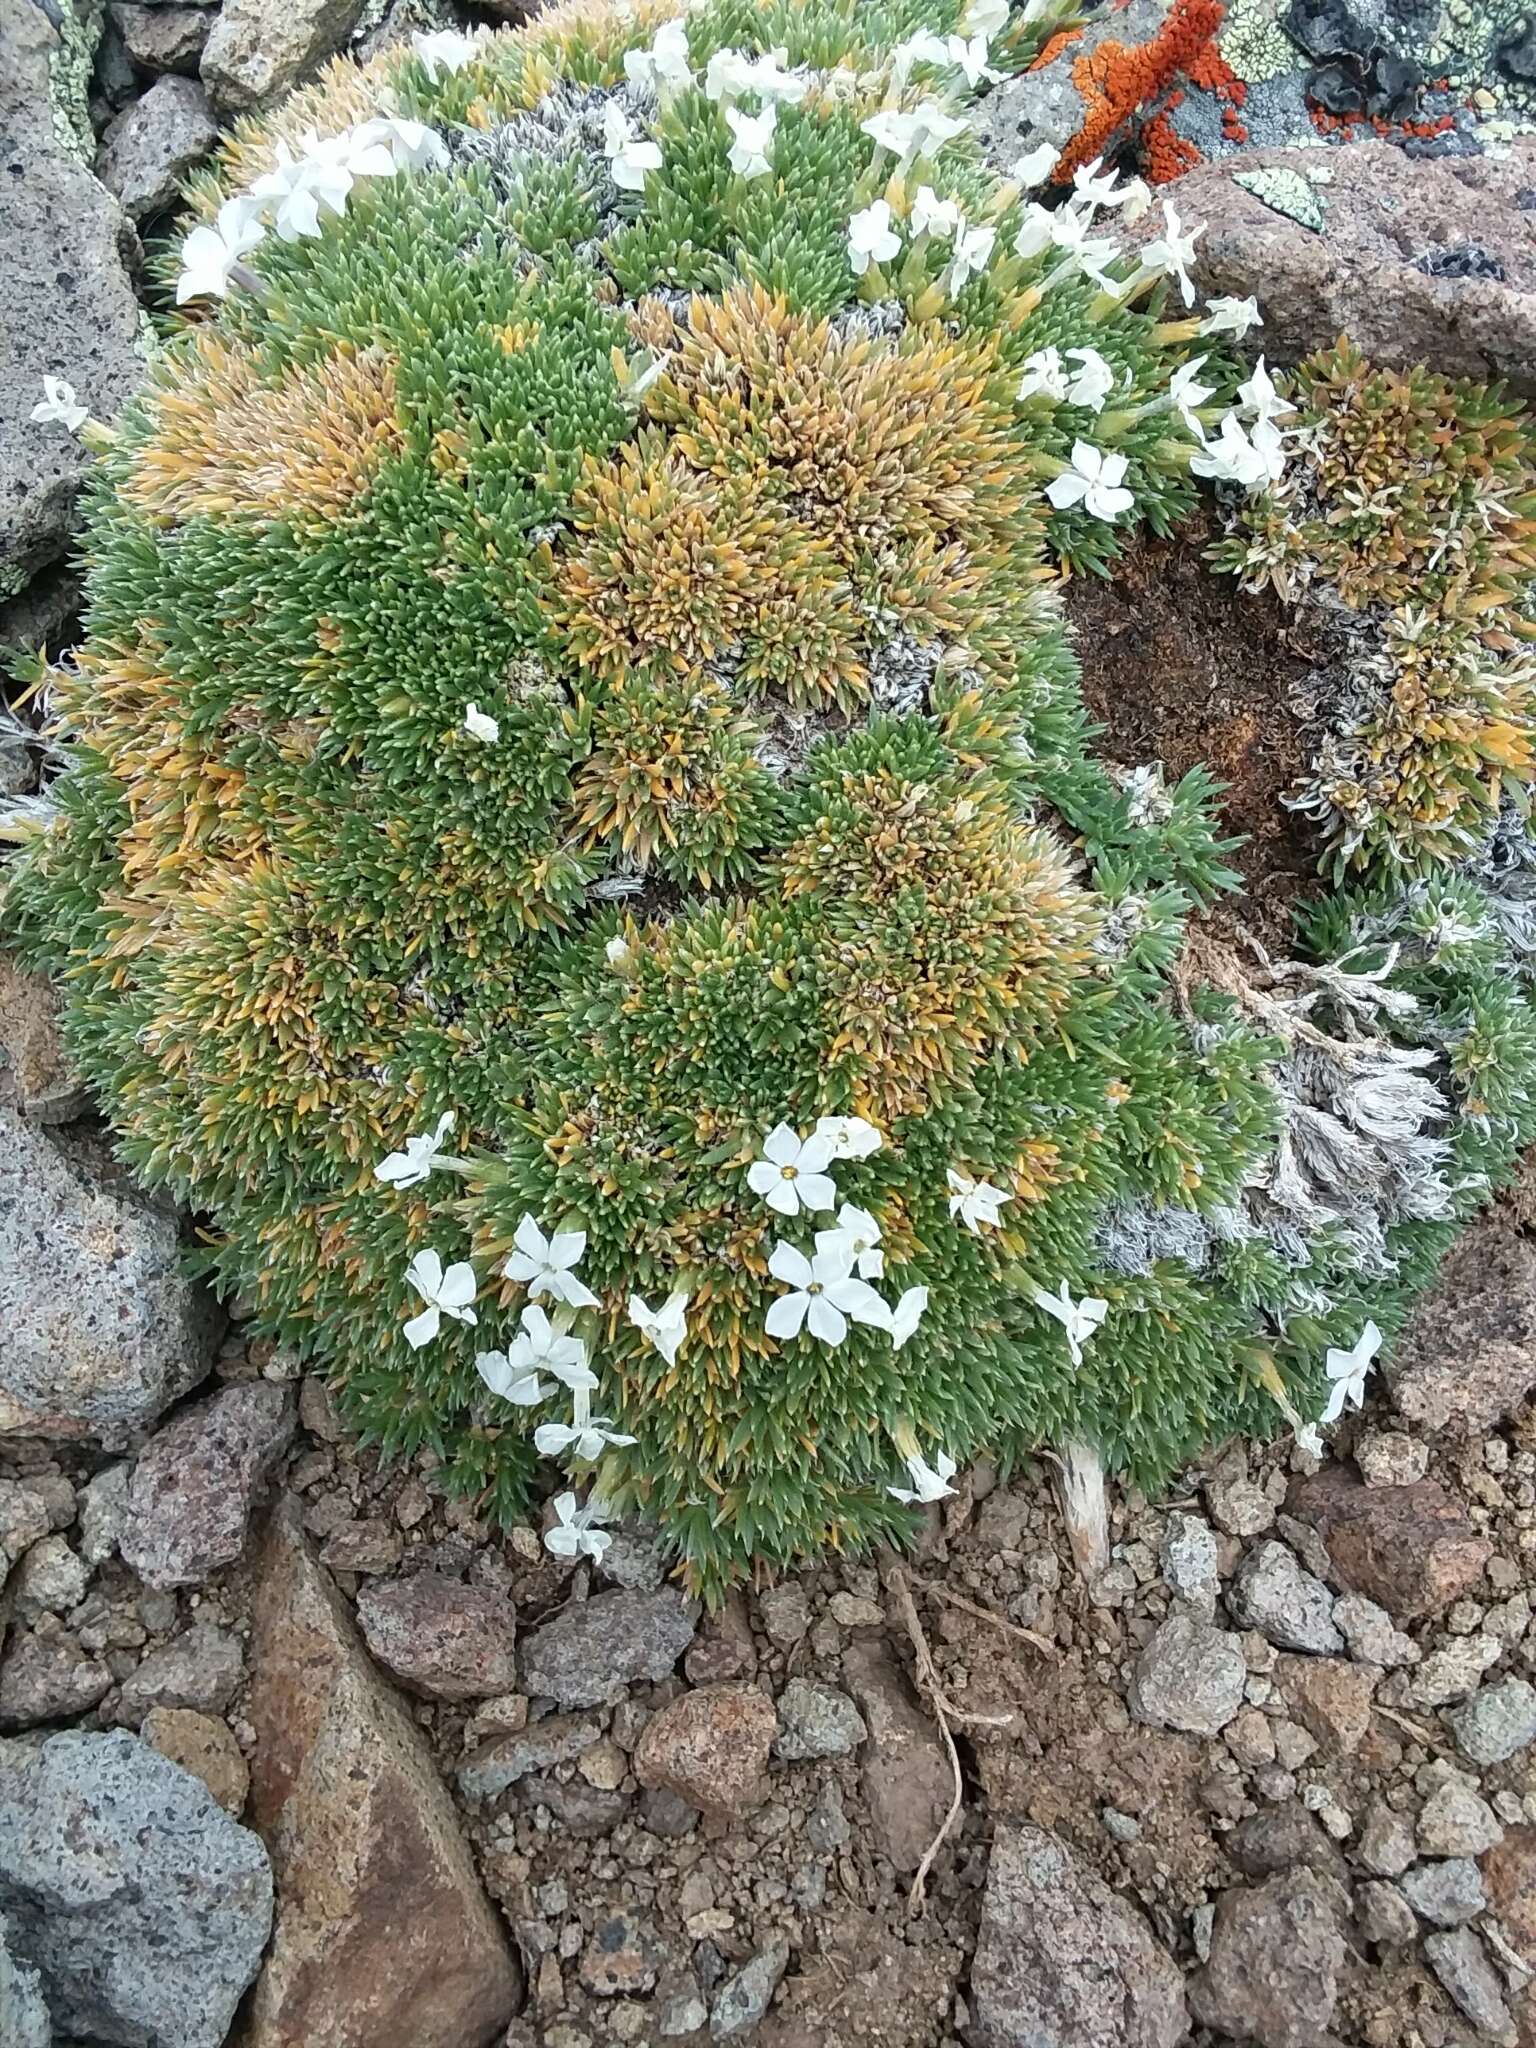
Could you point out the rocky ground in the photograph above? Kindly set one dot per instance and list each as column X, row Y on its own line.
column 1270, row 1779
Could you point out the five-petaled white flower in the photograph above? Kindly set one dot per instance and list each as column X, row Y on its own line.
column 585, row 1434
column 850, row 1137
column 1260, row 397
column 1080, row 1319
column 409, row 1168
column 767, row 77
column 629, row 155
column 664, row 67
column 975, row 1202
column 1230, row 316
column 1173, row 251
column 446, row 1294
column 871, row 237
column 59, row 403
column 1094, row 478
column 664, row 1328
column 547, row 1265
column 294, row 191
column 211, row 253
column 480, row 725
column 973, row 252
column 1092, row 384
column 932, row 215
column 412, row 145
column 575, row 1532
column 1036, row 231
column 857, row 1233
column 918, row 132
column 1034, row 167
column 752, row 150
column 824, row 1293
column 442, row 49
column 539, row 1345
column 929, row 1482
column 907, row 1314
column 1186, row 392
column 1044, row 375
column 1070, row 230
column 968, row 54
column 1348, row 1371
column 792, row 1173
column 1235, row 457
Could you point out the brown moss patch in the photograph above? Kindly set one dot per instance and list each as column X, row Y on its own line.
column 1180, row 666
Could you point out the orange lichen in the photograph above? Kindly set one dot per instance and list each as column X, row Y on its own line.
column 1053, row 48
column 1119, row 83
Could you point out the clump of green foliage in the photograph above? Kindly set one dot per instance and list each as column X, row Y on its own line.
column 583, row 659
column 1406, row 524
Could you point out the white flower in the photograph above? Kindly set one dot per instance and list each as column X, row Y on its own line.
column 792, row 1173
column 849, row 1136
column 296, row 188
column 1095, row 478
column 442, row 49
column 1230, row 316
column 1044, row 375
column 514, row 1373
column 1034, row 167
column 969, row 56
column 1092, row 384
column 1309, row 1440
column 1348, row 1371
column 973, row 252
column 1036, row 231
column 984, row 18
column 408, row 1169
column 915, row 133
column 1232, row 458
column 664, row 67
column 1260, row 397
column 1097, row 187
column 585, row 1434
column 975, row 1202
column 575, row 1533
column 929, row 1482
column 1070, row 227
column 480, row 725
column 522, row 1389
column 547, row 1265
column 923, row 48
column 618, row 951
column 209, row 254
column 1080, row 1319
column 664, row 1328
column 858, row 1234
column 730, row 74
column 727, row 75
column 59, row 402
column 823, row 1295
column 1186, row 392
column 751, row 150
column 446, row 1294
column 629, row 155
column 907, row 1314
column 932, row 215
column 1173, row 251
column 871, row 237
column 412, row 145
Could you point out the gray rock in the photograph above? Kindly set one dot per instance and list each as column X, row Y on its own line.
column 589, row 1652
column 1285, row 1837
column 28, row 1512
column 1189, row 1676
column 1453, row 1671
column 1045, row 105
column 1372, row 1635
column 743, row 1999
column 586, row 1811
column 149, row 151
column 634, row 1558
column 1461, row 1963
column 785, row 1613
column 76, row 319
column 1272, row 1593
column 1384, row 1916
column 1386, row 1845
column 260, row 48
column 679, row 2008
column 1445, row 1894
column 1387, row 1457
column 142, row 1906
column 46, row 1676
column 1455, row 1820
column 103, row 1506
column 1497, row 1722
column 36, row 1075
column 24, row 2021
column 487, row 1771
column 1238, row 1506
column 623, row 1958
column 161, row 39
column 1189, row 1564
column 51, row 1579
column 1276, row 1952
column 1062, row 1961
column 200, row 1669
column 100, row 1330
column 443, row 1640
column 195, row 1483
column 816, row 1721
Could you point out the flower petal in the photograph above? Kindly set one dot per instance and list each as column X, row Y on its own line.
column 785, row 1315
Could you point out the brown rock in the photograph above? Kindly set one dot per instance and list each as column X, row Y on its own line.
column 1509, row 1873
column 623, row 1958
column 362, row 1547
column 1468, row 1357
column 1361, row 275
column 35, row 1076
column 46, row 1676
column 1330, row 1697
column 199, row 1669
column 383, row 1933
column 194, row 1484
column 1411, row 1548
column 257, row 49
column 711, row 1748
column 205, row 1747
column 1275, row 1956
column 161, row 39
column 441, row 1639
column 905, row 1769
column 723, row 1648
